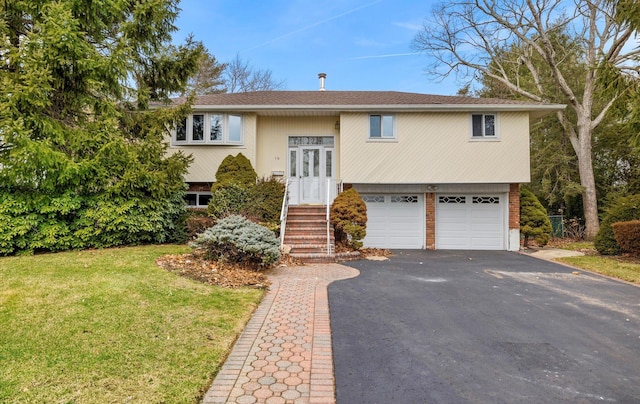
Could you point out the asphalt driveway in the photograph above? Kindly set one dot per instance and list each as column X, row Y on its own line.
column 483, row 327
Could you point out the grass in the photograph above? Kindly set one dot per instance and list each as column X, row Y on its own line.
column 610, row 266
column 624, row 268
column 109, row 325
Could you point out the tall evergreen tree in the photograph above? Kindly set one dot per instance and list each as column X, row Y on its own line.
column 82, row 159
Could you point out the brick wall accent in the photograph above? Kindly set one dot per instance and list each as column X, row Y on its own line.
column 430, row 202
column 514, row 206
column 199, row 187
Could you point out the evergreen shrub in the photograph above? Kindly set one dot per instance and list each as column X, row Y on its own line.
column 348, row 216
column 628, row 236
column 534, row 221
column 266, row 200
column 622, row 209
column 237, row 170
column 197, row 221
column 228, row 199
column 235, row 239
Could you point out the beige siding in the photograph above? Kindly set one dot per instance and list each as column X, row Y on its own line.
column 435, row 148
column 207, row 158
column 273, row 133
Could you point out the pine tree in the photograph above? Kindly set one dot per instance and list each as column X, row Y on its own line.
column 82, row 159
column 534, row 221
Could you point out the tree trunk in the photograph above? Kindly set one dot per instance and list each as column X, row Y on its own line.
column 588, row 181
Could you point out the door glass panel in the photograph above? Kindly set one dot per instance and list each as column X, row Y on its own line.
column 305, row 163
column 293, row 162
column 316, row 163
column 327, row 163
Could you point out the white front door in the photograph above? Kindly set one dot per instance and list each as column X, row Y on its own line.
column 311, row 174
column 310, row 166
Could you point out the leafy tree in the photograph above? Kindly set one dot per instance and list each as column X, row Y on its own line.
column 241, row 77
column 82, row 162
column 469, row 36
column 534, row 221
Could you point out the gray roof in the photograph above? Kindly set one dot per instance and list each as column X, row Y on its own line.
column 360, row 100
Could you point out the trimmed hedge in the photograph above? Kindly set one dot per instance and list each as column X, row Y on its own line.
column 621, row 210
column 237, row 170
column 235, row 239
column 628, row 236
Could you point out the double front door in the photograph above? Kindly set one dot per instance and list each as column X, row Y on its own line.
column 311, row 171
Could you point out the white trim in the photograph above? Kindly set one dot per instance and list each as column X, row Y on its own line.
column 484, row 138
column 207, row 130
column 197, row 194
column 382, row 138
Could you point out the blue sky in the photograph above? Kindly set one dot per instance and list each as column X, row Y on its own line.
column 360, row 44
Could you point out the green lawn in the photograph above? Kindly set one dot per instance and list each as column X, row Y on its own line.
column 106, row 326
column 610, row 266
column 627, row 269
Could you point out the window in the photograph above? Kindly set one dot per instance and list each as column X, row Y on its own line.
column 209, row 128
column 197, row 199
column 381, row 127
column 483, row 126
column 181, row 131
column 198, row 128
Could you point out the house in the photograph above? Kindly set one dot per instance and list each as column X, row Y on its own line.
column 436, row 172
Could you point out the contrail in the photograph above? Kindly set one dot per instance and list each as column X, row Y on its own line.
column 315, row 24
column 390, row 55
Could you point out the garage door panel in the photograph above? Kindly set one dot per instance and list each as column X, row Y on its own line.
column 394, row 220
column 470, row 222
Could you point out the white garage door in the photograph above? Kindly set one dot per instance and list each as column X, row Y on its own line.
column 470, row 222
column 394, row 220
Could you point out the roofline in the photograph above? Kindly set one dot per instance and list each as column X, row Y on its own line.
column 536, row 109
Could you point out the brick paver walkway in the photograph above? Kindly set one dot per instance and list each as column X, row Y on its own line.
column 284, row 354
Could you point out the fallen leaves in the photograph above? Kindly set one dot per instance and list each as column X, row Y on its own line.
column 195, row 267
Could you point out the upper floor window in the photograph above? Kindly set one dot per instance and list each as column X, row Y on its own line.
column 483, row 126
column 209, row 128
column 382, row 127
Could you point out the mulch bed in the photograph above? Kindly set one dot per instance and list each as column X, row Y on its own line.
column 195, row 267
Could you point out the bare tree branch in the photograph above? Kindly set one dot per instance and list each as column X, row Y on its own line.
column 240, row 77
column 472, row 37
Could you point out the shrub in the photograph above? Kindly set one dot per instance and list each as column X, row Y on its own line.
column 31, row 222
column 534, row 221
column 266, row 200
column 228, row 199
column 197, row 221
column 236, row 170
column 235, row 239
column 628, row 236
column 349, row 218
column 621, row 210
